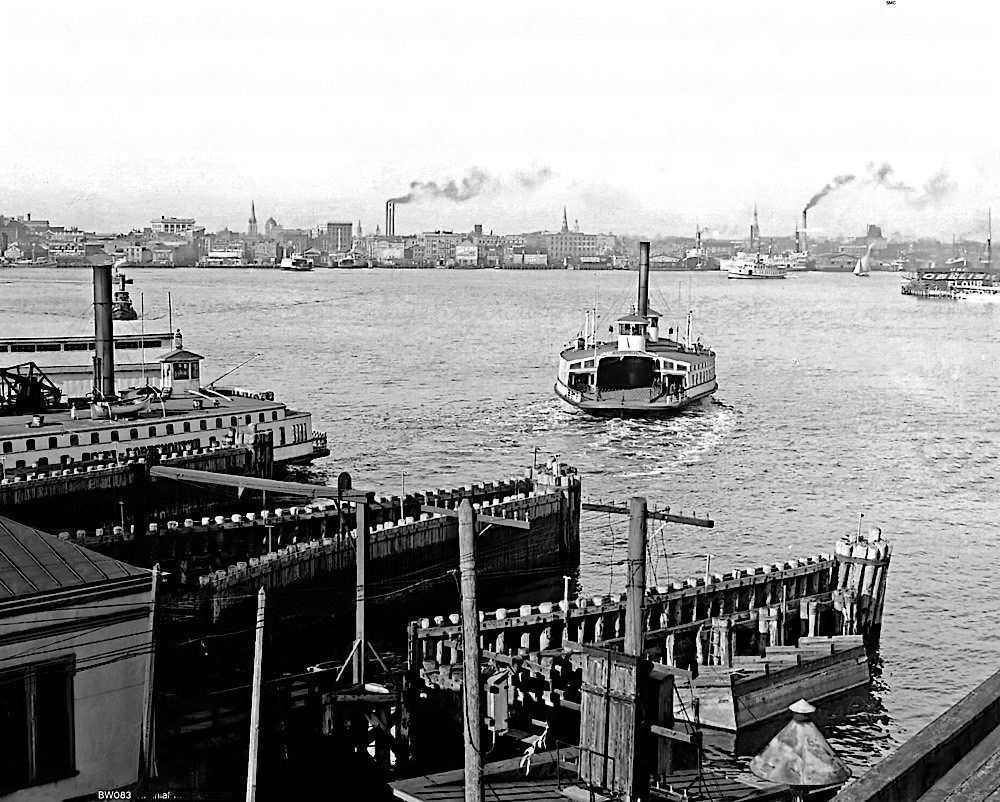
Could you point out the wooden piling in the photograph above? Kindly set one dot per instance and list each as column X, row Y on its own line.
column 258, row 664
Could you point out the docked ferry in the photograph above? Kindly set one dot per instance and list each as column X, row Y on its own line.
column 46, row 419
column 639, row 374
column 754, row 266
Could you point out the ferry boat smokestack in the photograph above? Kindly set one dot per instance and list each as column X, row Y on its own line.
column 643, row 305
column 104, row 340
column 805, row 230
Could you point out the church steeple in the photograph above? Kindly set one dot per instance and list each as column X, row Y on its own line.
column 252, row 222
column 565, row 223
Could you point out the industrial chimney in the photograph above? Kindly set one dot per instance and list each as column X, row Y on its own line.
column 104, row 339
column 805, row 231
column 643, row 305
column 390, row 218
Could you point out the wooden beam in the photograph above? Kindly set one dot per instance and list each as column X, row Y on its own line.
column 514, row 523
column 256, row 483
column 659, row 515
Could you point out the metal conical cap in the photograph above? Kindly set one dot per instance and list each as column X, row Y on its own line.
column 799, row 755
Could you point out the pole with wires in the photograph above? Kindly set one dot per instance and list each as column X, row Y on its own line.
column 636, row 579
column 470, row 652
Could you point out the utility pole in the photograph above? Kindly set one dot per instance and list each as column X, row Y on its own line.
column 148, row 754
column 361, row 557
column 636, row 589
column 470, row 652
column 258, row 661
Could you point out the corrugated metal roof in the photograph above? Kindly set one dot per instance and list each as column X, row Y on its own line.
column 34, row 562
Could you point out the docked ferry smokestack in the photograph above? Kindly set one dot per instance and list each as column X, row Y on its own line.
column 390, row 218
column 643, row 304
column 104, row 341
column 805, row 230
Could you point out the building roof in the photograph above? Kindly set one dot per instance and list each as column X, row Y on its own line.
column 34, row 562
column 180, row 355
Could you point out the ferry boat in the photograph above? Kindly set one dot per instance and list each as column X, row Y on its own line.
column 638, row 374
column 121, row 304
column 42, row 424
column 754, row 266
column 296, row 263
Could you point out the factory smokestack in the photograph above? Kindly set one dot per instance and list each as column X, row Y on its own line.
column 805, row 231
column 104, row 339
column 643, row 306
column 390, row 218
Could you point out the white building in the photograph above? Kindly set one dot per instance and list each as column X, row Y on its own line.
column 173, row 225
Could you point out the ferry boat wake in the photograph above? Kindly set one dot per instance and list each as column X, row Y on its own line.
column 639, row 374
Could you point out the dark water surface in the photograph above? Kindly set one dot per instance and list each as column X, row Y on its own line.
column 836, row 396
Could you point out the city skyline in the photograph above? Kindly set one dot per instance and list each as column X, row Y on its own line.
column 648, row 120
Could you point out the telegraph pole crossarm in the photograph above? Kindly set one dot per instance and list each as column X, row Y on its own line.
column 659, row 515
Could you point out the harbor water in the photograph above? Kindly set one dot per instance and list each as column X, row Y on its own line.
column 837, row 396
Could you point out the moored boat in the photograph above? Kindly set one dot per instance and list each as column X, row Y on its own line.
column 296, row 263
column 638, row 374
column 121, row 303
column 754, row 266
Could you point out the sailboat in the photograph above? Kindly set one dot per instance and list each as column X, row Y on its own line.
column 863, row 268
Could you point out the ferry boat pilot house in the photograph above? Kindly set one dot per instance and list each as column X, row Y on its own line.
column 180, row 370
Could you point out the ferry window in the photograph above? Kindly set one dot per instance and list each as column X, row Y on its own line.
column 23, row 348
column 181, row 370
column 49, row 347
column 203, row 424
column 195, row 372
column 3, row 348
column 248, row 420
column 281, row 439
column 170, row 428
column 8, row 447
column 74, row 439
column 589, row 363
column 19, row 463
column 152, row 431
column 29, row 445
column 260, row 417
column 114, row 437
column 133, row 434
column 187, row 426
column 38, row 700
column 232, row 421
column 126, row 344
column 75, row 347
column 42, row 461
column 95, row 437
column 151, row 343
column 218, row 423
column 274, row 414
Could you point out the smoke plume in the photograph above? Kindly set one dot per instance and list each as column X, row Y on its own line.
column 838, row 181
column 937, row 188
column 474, row 183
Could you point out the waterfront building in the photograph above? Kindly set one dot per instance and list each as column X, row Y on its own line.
column 265, row 252
column 438, row 247
column 75, row 657
column 173, row 225
column 466, row 254
column 338, row 237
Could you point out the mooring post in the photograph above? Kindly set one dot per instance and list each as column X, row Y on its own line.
column 636, row 588
column 148, row 753
column 258, row 661
column 470, row 652
column 361, row 557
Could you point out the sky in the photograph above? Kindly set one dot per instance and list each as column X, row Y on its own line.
column 639, row 118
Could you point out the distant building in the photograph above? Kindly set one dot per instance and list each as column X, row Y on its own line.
column 173, row 225
column 270, row 225
column 228, row 257
column 466, row 254
column 73, row 720
column 339, row 237
column 252, row 222
column 265, row 252
column 438, row 247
